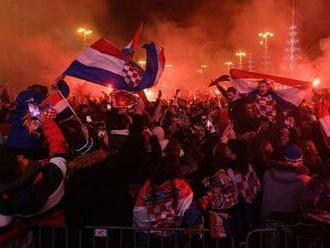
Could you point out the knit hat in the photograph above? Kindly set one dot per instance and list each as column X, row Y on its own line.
column 237, row 147
column 293, row 154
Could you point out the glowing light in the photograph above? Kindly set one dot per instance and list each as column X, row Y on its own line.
column 169, row 66
column 316, row 82
column 241, row 54
column 266, row 35
column 149, row 94
column 84, row 31
column 142, row 62
column 204, row 66
column 229, row 63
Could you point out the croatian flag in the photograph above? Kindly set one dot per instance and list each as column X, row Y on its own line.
column 58, row 102
column 106, row 65
column 322, row 112
column 288, row 93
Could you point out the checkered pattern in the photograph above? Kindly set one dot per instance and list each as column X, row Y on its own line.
column 223, row 191
column 266, row 106
column 165, row 208
column 50, row 113
column 217, row 229
column 247, row 185
column 132, row 74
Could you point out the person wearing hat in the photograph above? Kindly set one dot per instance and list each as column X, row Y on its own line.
column 284, row 183
column 20, row 141
column 31, row 188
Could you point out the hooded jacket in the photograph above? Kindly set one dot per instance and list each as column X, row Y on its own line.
column 41, row 186
column 283, row 188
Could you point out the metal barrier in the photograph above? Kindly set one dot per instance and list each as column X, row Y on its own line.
column 281, row 236
column 125, row 237
column 289, row 236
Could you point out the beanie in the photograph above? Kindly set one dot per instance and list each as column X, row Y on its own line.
column 293, row 154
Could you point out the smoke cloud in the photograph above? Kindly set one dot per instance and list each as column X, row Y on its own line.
column 38, row 39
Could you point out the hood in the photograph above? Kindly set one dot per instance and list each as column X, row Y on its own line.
column 285, row 173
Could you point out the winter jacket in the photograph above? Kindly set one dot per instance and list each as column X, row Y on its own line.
column 41, row 186
column 18, row 136
column 283, row 188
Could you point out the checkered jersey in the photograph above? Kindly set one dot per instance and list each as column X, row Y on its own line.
column 132, row 74
column 163, row 206
column 50, row 113
column 221, row 192
column 247, row 185
column 266, row 106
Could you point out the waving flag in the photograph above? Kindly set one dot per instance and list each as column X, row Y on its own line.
column 288, row 93
column 322, row 112
column 58, row 102
column 131, row 47
column 103, row 64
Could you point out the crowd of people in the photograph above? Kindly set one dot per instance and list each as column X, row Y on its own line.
column 228, row 163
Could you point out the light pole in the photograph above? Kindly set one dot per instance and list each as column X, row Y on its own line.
column 264, row 42
column 240, row 55
column 86, row 33
column 229, row 64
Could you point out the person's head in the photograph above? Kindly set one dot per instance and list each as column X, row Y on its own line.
column 263, row 87
column 231, row 93
column 168, row 168
column 235, row 150
column 187, row 165
column 173, row 148
column 310, row 148
column 293, row 155
column 266, row 148
column 39, row 89
column 199, row 131
column 172, row 109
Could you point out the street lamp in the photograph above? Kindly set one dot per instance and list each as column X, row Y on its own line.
column 229, row 64
column 264, row 42
column 86, row 33
column 240, row 55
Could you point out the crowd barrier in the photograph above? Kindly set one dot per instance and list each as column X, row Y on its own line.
column 278, row 236
column 125, row 237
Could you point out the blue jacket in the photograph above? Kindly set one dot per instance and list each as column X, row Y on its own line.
column 18, row 135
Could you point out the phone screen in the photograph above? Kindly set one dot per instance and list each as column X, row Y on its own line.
column 88, row 118
column 34, row 110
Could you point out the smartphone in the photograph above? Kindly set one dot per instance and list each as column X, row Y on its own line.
column 34, row 110
column 109, row 107
column 88, row 118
